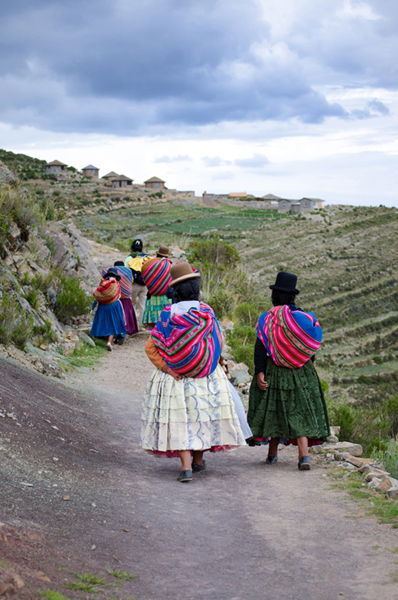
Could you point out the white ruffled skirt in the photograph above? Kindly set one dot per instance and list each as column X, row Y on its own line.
column 190, row 414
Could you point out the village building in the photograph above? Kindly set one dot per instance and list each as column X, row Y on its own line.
column 121, row 181
column 110, row 175
column 237, row 195
column 91, row 171
column 308, row 204
column 299, row 206
column 154, row 183
column 56, row 166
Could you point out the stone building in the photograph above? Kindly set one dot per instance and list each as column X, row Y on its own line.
column 91, row 171
column 110, row 175
column 154, row 183
column 56, row 166
column 121, row 181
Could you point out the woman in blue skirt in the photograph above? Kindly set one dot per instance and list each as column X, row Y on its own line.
column 109, row 317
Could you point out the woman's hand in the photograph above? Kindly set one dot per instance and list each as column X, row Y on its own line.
column 262, row 384
column 171, row 372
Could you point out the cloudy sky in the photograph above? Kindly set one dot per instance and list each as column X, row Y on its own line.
column 295, row 98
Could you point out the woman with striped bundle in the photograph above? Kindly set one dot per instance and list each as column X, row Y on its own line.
column 188, row 406
column 156, row 276
column 109, row 318
column 126, row 283
column 286, row 402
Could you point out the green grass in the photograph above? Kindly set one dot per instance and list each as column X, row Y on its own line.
column 50, row 595
column 87, row 582
column 121, row 575
column 383, row 508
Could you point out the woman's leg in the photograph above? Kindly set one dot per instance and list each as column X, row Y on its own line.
column 185, row 456
column 273, row 447
column 198, row 457
column 302, row 443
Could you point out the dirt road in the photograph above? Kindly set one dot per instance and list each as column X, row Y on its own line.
column 79, row 495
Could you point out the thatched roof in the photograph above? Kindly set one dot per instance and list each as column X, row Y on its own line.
column 110, row 175
column 121, row 178
column 154, row 180
column 56, row 163
column 271, row 197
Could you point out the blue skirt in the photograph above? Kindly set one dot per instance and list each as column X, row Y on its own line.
column 109, row 320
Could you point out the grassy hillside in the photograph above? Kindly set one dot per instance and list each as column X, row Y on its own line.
column 23, row 166
column 346, row 259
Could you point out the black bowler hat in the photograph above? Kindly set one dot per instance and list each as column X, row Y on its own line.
column 112, row 272
column 285, row 282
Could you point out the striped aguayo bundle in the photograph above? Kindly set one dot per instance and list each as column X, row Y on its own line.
column 191, row 342
column 107, row 292
column 126, row 280
column 156, row 275
column 290, row 335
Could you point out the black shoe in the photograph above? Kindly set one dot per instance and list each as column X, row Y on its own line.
column 198, row 468
column 185, row 476
column 271, row 459
column 304, row 463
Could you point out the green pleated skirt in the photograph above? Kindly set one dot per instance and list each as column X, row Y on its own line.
column 153, row 307
column 292, row 406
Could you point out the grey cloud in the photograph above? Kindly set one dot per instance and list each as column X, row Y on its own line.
column 131, row 67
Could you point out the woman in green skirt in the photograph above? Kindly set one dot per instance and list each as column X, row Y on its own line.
column 286, row 402
column 156, row 276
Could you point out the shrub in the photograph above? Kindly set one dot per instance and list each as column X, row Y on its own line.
column 32, row 297
column 241, row 340
column 72, row 300
column 221, row 303
column 389, row 458
column 14, row 325
column 213, row 251
column 247, row 314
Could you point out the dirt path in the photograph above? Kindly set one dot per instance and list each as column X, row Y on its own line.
column 241, row 530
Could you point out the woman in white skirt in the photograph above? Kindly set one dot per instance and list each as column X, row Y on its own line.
column 188, row 406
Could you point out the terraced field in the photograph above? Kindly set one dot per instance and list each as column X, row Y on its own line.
column 346, row 259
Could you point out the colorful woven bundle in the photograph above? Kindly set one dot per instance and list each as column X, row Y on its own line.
column 190, row 343
column 290, row 335
column 107, row 292
column 126, row 280
column 156, row 275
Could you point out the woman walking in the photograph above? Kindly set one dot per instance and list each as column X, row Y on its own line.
column 126, row 284
column 156, row 276
column 134, row 261
column 109, row 318
column 187, row 407
column 286, row 402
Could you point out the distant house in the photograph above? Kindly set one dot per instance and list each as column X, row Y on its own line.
column 121, row 181
column 110, row 175
column 154, row 183
column 284, row 205
column 272, row 198
column 91, row 171
column 56, row 166
column 308, row 204
column 237, row 195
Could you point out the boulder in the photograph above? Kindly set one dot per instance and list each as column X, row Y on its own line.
column 239, row 377
column 86, row 339
column 353, row 449
column 392, row 493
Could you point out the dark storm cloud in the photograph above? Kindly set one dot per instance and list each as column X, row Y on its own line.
column 132, row 67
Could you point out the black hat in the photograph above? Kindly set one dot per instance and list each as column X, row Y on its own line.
column 137, row 245
column 285, row 282
column 118, row 263
column 112, row 272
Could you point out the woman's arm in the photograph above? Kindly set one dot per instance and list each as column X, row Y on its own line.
column 155, row 358
column 260, row 359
